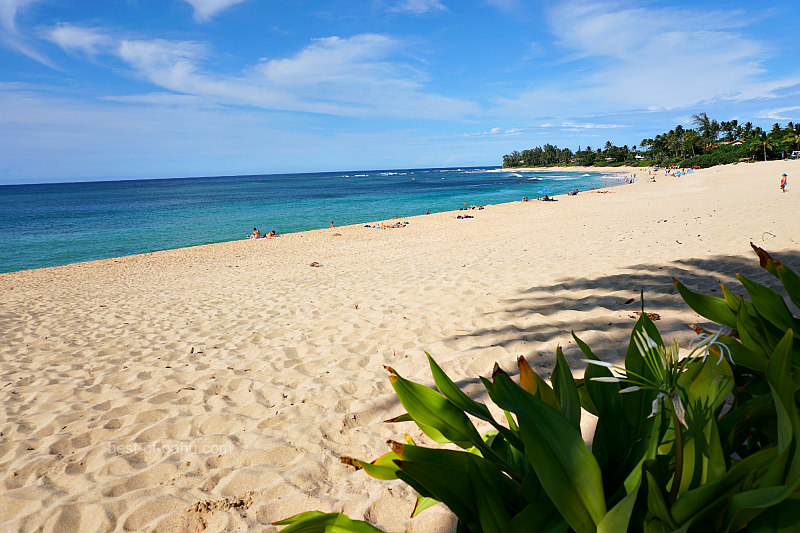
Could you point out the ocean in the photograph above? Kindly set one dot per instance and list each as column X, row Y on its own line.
column 59, row 223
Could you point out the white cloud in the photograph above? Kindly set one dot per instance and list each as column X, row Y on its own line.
column 619, row 56
column 204, row 10
column 334, row 59
column 11, row 36
column 783, row 113
column 572, row 126
column 355, row 76
column 159, row 99
column 496, row 131
column 76, row 38
column 8, row 13
column 418, row 7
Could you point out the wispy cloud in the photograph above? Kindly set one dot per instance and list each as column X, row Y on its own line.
column 11, row 36
column 354, row 76
column 204, row 10
column 618, row 56
column 783, row 113
column 418, row 7
column 79, row 39
column 496, row 131
column 572, row 126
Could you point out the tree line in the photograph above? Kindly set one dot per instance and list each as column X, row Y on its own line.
column 710, row 143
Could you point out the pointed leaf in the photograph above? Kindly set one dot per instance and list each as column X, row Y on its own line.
column 383, row 467
column 782, row 387
column 789, row 279
column 656, row 503
column 566, row 391
column 611, row 443
column 618, row 517
column 770, row 304
column 714, row 309
column 456, row 395
column 472, row 487
column 558, row 455
column 534, row 384
column 435, row 415
column 317, row 522
column 692, row 502
column 539, row 516
column 423, row 503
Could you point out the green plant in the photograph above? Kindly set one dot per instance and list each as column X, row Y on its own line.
column 692, row 444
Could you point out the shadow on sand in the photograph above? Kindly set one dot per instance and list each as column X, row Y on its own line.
column 602, row 310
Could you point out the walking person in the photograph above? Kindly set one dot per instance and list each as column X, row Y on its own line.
column 783, row 182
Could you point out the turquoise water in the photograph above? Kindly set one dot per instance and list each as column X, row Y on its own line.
column 55, row 224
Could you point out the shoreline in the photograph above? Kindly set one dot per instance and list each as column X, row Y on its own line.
column 215, row 387
column 357, row 224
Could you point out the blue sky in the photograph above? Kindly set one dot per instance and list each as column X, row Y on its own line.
column 167, row 88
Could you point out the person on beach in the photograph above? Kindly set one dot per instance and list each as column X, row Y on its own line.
column 332, row 224
column 783, row 182
column 255, row 235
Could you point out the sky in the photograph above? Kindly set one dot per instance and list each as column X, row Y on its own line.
column 128, row 89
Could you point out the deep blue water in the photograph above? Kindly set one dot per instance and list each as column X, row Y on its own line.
column 55, row 224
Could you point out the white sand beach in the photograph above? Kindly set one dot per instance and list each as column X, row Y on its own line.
column 214, row 388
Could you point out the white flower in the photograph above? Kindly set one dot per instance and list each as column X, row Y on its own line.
column 705, row 341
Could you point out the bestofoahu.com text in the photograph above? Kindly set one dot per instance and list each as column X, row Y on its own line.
column 168, row 448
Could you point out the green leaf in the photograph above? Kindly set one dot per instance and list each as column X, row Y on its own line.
column 734, row 301
column 405, row 417
column 383, row 467
column 656, row 503
column 463, row 402
column 637, row 407
column 782, row 386
column 566, row 391
column 618, row 517
column 456, row 395
column 747, row 505
column 423, row 503
column 790, row 280
column 752, row 331
column 558, row 455
column 711, row 386
column 611, row 443
column 770, row 304
column 743, row 356
column 317, row 522
column 539, row 516
column 435, row 415
column 693, row 502
column 473, row 488
column 714, row 309
column 586, row 400
column 533, row 383
column 783, row 517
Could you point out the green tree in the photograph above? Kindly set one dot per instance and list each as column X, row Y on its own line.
column 762, row 143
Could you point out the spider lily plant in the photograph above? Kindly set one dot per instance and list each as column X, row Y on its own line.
column 665, row 455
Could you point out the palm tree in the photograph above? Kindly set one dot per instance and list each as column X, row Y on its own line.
column 793, row 138
column 703, row 124
column 691, row 139
column 763, row 143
